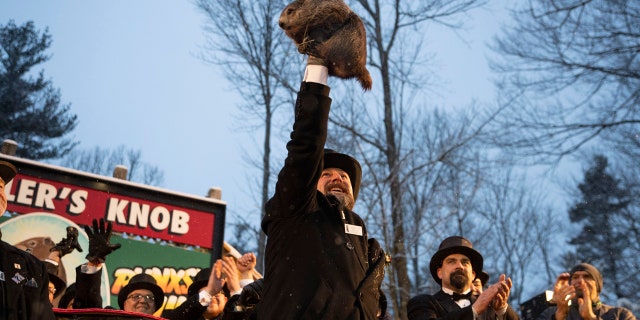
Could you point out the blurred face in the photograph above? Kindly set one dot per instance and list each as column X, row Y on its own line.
column 477, row 286
column 216, row 306
column 3, row 198
column 337, row 182
column 584, row 283
column 456, row 273
column 141, row 300
column 52, row 291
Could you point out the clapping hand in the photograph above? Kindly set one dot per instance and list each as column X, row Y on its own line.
column 563, row 292
column 584, row 303
column 502, row 297
column 246, row 263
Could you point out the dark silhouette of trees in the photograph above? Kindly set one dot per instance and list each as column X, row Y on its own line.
column 604, row 216
column 32, row 113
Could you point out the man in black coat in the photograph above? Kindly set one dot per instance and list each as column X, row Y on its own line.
column 454, row 267
column 317, row 263
column 24, row 291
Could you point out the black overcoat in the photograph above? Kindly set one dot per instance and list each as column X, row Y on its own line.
column 24, row 285
column 314, row 269
column 440, row 306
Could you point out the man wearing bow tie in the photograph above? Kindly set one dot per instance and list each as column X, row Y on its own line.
column 454, row 267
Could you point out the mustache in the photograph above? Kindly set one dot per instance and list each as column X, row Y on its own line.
column 332, row 185
column 459, row 273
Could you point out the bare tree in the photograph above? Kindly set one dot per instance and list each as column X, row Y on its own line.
column 394, row 45
column 438, row 175
column 255, row 55
column 103, row 161
column 571, row 76
column 520, row 241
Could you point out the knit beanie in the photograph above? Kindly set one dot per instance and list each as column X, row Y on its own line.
column 591, row 270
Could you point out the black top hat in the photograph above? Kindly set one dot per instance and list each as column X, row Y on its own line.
column 59, row 283
column 483, row 276
column 351, row 166
column 141, row 281
column 199, row 281
column 449, row 246
column 7, row 171
column 69, row 294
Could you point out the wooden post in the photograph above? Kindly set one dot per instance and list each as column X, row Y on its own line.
column 120, row 172
column 215, row 193
column 9, row 147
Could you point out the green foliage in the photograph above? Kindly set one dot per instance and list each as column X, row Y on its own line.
column 31, row 108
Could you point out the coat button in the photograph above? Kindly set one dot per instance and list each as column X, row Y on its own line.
column 349, row 245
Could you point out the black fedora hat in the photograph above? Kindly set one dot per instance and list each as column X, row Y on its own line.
column 449, row 246
column 141, row 281
column 351, row 166
column 7, row 171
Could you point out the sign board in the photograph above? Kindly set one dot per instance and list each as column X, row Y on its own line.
column 153, row 225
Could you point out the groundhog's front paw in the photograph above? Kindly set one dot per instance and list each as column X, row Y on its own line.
column 307, row 46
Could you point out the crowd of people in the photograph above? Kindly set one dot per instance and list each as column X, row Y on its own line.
column 320, row 262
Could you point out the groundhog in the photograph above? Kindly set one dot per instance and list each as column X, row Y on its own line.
column 329, row 30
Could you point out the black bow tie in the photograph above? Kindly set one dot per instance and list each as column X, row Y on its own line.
column 458, row 296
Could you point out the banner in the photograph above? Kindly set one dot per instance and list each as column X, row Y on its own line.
column 168, row 235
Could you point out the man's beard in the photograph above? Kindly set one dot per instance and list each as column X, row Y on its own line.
column 343, row 197
column 459, row 279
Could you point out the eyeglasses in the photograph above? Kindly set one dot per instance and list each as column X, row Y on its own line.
column 52, row 290
column 139, row 297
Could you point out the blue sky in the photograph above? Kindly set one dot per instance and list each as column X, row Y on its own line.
column 130, row 71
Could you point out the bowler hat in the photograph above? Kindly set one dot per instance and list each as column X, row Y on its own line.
column 7, row 171
column 142, row 281
column 449, row 246
column 351, row 166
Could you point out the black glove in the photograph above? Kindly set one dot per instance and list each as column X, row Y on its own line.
column 66, row 245
column 99, row 246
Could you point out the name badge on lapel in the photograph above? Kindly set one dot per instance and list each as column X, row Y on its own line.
column 353, row 229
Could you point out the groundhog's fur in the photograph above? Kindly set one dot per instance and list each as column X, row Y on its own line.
column 329, row 30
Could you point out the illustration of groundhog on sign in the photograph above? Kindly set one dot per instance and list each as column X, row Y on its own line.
column 329, row 30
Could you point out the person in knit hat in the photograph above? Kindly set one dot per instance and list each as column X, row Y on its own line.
column 577, row 296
